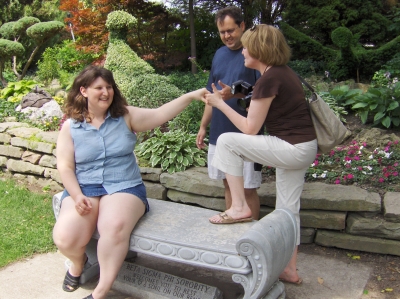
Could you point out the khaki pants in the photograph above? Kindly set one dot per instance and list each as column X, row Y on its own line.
column 291, row 163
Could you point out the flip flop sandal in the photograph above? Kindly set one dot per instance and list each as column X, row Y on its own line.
column 71, row 283
column 89, row 297
column 226, row 219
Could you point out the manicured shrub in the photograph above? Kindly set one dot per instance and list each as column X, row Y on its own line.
column 137, row 80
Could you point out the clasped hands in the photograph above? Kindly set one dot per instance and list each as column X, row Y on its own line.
column 217, row 96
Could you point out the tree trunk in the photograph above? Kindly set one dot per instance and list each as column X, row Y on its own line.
column 2, row 80
column 15, row 66
column 28, row 63
column 192, row 37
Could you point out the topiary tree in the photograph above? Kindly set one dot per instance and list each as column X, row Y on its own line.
column 38, row 32
column 8, row 49
column 349, row 60
column 137, row 79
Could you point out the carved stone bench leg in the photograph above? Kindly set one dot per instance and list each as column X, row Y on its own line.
column 269, row 245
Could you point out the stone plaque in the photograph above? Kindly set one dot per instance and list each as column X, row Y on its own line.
column 146, row 283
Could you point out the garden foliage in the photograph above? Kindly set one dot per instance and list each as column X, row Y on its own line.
column 359, row 163
column 39, row 32
column 62, row 62
column 173, row 151
column 349, row 60
column 15, row 91
column 137, row 80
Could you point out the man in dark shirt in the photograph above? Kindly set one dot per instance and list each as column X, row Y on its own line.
column 228, row 67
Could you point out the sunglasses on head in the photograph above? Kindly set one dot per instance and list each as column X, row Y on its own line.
column 253, row 28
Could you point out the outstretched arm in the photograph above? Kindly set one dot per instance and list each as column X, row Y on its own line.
column 142, row 119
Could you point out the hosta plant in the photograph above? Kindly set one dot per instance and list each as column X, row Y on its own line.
column 173, row 151
column 15, row 91
column 380, row 103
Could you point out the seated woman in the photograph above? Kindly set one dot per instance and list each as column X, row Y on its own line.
column 279, row 103
column 103, row 185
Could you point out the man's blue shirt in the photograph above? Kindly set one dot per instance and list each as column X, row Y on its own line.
column 228, row 67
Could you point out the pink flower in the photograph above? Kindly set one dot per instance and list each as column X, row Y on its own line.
column 316, row 163
column 364, row 144
column 395, row 164
column 395, row 173
column 359, row 168
column 357, row 158
column 350, row 176
column 396, row 142
column 381, row 180
column 337, row 181
column 347, row 158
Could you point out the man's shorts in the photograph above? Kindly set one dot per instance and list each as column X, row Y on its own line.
column 252, row 179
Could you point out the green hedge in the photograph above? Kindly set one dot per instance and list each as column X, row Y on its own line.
column 9, row 48
column 41, row 31
column 137, row 80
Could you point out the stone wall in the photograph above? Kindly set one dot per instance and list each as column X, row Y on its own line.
column 331, row 215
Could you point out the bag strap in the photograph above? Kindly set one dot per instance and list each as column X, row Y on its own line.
column 305, row 83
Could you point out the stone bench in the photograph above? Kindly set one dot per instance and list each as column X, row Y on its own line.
column 254, row 252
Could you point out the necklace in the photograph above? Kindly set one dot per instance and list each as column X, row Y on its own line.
column 267, row 68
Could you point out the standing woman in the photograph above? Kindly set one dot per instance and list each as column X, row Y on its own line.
column 278, row 102
column 103, row 185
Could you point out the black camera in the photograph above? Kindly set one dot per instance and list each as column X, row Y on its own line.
column 245, row 89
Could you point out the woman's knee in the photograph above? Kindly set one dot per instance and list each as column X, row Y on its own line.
column 67, row 241
column 116, row 230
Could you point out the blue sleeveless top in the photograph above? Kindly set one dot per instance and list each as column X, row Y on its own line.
column 105, row 156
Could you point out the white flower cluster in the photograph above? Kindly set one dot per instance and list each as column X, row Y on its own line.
column 322, row 176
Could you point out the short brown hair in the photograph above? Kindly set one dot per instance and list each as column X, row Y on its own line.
column 232, row 11
column 266, row 44
column 76, row 106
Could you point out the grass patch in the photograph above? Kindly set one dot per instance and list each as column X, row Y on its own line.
column 26, row 223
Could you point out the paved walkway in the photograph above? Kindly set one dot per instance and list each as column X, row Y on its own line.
column 324, row 278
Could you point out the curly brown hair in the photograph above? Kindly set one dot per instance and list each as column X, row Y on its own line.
column 76, row 106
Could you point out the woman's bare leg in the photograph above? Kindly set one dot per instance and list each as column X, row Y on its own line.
column 72, row 232
column 239, row 208
column 118, row 214
column 290, row 274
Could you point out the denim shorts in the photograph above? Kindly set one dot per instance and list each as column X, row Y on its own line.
column 98, row 190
